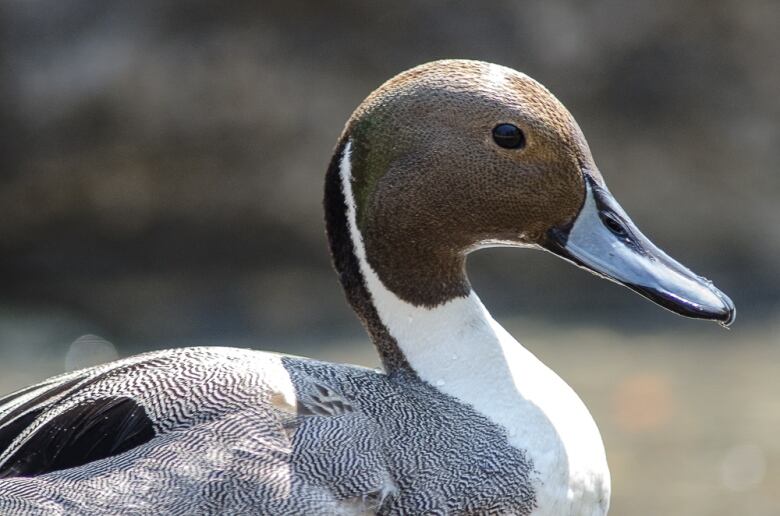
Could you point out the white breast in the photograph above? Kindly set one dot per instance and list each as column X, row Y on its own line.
column 460, row 349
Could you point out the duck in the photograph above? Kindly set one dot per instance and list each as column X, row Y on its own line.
column 442, row 160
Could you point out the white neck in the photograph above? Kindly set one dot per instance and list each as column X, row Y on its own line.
column 462, row 351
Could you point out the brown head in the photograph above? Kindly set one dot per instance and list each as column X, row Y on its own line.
column 455, row 155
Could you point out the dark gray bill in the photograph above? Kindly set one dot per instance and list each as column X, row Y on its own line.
column 603, row 240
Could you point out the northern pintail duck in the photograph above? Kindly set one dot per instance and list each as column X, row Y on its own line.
column 442, row 160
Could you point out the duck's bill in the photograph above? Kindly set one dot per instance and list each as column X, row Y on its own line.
column 603, row 240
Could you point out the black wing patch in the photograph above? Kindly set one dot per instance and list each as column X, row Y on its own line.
column 14, row 420
column 11, row 429
column 87, row 432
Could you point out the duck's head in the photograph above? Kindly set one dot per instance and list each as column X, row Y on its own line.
column 452, row 156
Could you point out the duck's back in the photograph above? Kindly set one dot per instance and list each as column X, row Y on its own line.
column 229, row 431
column 175, row 432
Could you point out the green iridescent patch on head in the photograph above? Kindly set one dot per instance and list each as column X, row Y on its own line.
column 371, row 157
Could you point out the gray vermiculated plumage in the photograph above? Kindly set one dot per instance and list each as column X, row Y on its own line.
column 356, row 442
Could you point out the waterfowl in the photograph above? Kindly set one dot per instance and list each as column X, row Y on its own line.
column 443, row 159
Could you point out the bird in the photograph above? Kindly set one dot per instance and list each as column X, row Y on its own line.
column 442, row 160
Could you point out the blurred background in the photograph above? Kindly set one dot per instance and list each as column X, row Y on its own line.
column 162, row 179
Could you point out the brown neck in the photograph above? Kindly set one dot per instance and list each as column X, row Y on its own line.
column 413, row 265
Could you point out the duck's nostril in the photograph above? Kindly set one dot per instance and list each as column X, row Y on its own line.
column 613, row 224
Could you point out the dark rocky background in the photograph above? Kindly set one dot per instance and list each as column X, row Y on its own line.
column 162, row 166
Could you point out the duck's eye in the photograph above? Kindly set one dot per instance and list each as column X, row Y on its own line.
column 508, row 136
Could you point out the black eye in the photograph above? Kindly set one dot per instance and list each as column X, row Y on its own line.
column 508, row 136
column 613, row 224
